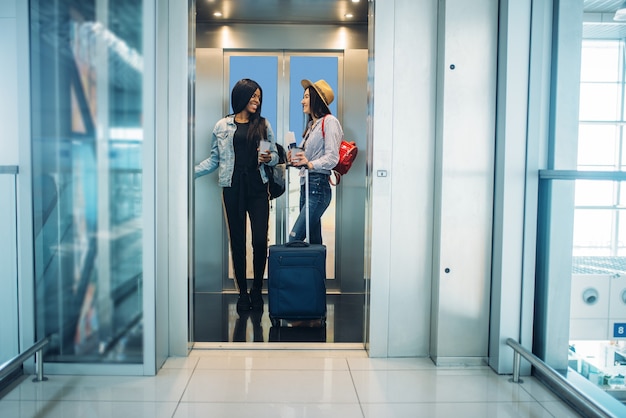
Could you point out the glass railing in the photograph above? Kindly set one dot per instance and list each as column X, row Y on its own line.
column 87, row 159
column 9, row 343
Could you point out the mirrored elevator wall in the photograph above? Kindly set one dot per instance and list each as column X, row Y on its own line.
column 214, row 46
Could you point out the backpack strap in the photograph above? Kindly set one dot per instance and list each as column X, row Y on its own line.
column 337, row 175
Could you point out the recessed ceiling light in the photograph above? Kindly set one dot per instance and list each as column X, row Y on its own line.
column 217, row 14
column 355, row 1
column 349, row 15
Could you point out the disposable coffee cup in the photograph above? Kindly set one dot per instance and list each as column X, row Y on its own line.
column 264, row 146
column 294, row 152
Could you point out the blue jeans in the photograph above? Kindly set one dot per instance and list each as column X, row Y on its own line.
column 319, row 199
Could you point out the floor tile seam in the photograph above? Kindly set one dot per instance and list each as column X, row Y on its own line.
column 542, row 385
column 97, row 398
column 270, row 369
column 556, row 400
column 167, row 366
column 561, row 403
column 207, row 361
column 237, row 362
column 432, row 372
column 356, row 391
column 433, row 402
column 392, row 369
column 272, row 402
column 90, row 401
column 182, row 394
column 212, row 354
column 55, row 392
column 267, row 373
column 269, row 362
column 131, row 381
column 293, row 357
column 276, row 354
column 545, row 408
column 276, row 346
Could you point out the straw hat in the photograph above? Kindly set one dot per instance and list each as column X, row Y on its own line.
column 323, row 89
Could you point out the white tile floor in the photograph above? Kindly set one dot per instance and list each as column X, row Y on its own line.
column 287, row 383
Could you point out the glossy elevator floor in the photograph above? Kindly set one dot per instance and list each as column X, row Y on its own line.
column 216, row 321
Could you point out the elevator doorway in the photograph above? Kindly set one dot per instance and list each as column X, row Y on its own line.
column 279, row 73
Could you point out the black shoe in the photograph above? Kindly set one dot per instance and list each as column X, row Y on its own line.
column 243, row 304
column 256, row 299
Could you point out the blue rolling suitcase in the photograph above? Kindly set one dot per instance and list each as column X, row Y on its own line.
column 296, row 284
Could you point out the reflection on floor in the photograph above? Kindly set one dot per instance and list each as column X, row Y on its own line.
column 216, row 320
column 286, row 384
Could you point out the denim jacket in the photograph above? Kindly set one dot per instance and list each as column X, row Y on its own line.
column 223, row 152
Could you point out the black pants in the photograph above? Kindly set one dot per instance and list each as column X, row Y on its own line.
column 242, row 199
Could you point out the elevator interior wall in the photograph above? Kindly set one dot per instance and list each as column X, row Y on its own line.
column 215, row 48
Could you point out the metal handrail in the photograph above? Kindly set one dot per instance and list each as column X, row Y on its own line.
column 581, row 399
column 37, row 349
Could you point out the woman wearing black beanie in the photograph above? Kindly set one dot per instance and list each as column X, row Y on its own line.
column 235, row 150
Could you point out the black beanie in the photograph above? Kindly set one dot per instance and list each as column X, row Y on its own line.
column 241, row 94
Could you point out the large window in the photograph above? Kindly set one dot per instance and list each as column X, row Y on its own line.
column 87, row 135
column 598, row 287
column 599, row 216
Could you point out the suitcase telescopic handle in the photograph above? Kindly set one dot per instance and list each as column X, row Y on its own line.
column 297, row 244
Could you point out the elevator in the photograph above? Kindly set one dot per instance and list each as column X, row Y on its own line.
column 278, row 57
column 413, row 219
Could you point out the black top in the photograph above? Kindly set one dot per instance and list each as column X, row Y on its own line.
column 247, row 161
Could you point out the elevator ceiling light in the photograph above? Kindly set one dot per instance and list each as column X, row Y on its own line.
column 620, row 14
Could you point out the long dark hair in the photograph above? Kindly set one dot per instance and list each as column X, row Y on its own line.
column 240, row 96
column 317, row 107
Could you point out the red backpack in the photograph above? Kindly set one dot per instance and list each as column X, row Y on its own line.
column 347, row 154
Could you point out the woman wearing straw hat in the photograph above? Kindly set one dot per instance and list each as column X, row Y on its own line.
column 235, row 150
column 322, row 138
